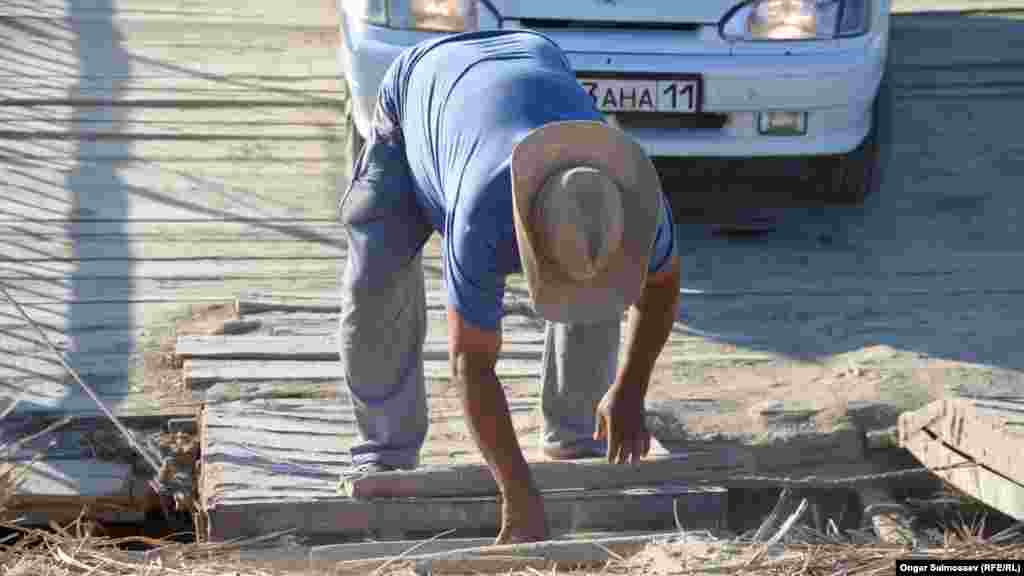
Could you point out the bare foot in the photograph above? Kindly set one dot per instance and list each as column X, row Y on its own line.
column 522, row 519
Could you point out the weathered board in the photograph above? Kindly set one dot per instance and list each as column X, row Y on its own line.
column 313, row 348
column 199, row 371
column 985, row 433
column 63, row 478
column 469, row 480
column 230, row 12
column 55, row 468
column 59, row 490
column 153, row 158
column 271, row 465
column 342, row 517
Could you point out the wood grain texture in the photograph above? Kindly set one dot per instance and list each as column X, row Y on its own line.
column 153, row 157
column 275, row 464
column 583, row 474
column 547, row 555
column 984, row 431
column 71, row 478
column 998, row 491
column 598, row 510
column 229, row 12
column 58, row 490
column 201, row 371
column 324, row 348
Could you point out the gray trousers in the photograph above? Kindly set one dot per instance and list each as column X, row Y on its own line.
column 382, row 334
column 383, row 324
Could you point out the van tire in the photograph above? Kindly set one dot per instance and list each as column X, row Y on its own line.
column 852, row 177
column 853, row 174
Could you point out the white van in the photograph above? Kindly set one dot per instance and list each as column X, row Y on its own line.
column 707, row 78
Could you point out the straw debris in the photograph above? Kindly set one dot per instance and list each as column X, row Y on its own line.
column 71, row 550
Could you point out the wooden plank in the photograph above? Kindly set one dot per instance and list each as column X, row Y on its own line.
column 158, row 120
column 962, row 427
column 105, row 152
column 295, row 243
column 51, row 176
column 82, row 292
column 169, row 269
column 594, row 474
column 201, row 371
column 507, row 558
column 175, row 185
column 103, row 234
column 58, row 490
column 523, row 346
column 979, row 482
column 254, row 454
column 51, row 49
column 88, row 478
column 222, row 392
column 151, row 201
column 912, row 423
column 173, row 90
column 249, row 306
column 568, row 510
column 121, row 403
column 143, row 120
column 327, row 556
column 231, row 12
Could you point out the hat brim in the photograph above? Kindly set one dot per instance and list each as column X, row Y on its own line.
column 560, row 145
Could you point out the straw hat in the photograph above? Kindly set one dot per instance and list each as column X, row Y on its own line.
column 585, row 200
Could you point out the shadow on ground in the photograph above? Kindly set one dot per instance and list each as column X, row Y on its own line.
column 930, row 264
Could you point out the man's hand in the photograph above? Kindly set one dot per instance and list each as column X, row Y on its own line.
column 522, row 518
column 620, row 421
column 620, row 414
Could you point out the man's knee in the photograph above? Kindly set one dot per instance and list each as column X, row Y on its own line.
column 379, row 288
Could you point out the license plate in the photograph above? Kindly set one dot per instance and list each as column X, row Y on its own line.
column 673, row 95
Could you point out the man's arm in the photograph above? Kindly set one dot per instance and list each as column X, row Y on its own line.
column 620, row 415
column 650, row 323
column 474, row 353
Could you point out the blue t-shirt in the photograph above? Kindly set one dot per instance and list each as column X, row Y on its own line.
column 462, row 103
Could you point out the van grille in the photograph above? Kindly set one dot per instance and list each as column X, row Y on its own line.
column 547, row 23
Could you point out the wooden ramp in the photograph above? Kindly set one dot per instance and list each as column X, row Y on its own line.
column 274, row 465
column 276, row 431
column 982, row 438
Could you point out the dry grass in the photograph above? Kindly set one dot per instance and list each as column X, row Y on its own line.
column 71, row 550
column 66, row 551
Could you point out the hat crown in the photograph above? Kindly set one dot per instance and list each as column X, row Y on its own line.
column 580, row 217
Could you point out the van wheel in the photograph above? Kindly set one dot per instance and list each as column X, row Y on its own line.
column 850, row 178
column 853, row 173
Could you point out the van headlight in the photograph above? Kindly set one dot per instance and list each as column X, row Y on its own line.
column 763, row 20
column 427, row 15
